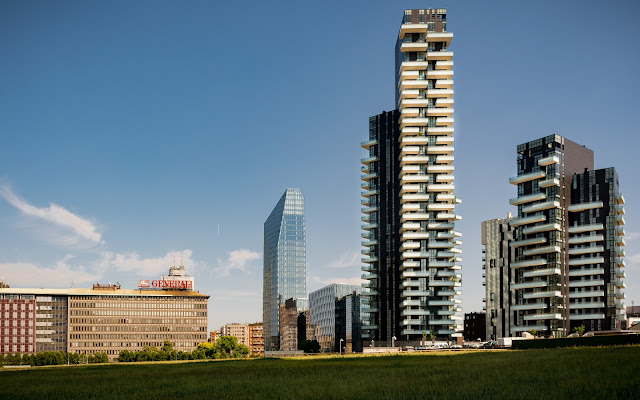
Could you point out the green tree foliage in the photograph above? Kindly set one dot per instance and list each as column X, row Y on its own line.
column 225, row 347
column 579, row 329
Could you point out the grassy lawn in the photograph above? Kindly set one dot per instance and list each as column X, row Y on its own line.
column 576, row 373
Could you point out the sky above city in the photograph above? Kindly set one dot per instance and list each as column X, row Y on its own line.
column 138, row 134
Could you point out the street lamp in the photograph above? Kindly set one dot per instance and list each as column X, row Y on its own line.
column 341, row 340
column 393, row 341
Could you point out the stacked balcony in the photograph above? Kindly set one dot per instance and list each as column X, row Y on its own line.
column 428, row 203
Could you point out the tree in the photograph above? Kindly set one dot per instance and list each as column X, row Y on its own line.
column 579, row 329
column 533, row 332
column 433, row 336
column 424, row 336
column 208, row 348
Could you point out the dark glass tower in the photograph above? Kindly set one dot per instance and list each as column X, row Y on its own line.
column 382, row 228
column 285, row 270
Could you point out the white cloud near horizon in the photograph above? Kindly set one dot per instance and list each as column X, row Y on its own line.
column 82, row 228
column 237, row 260
column 132, row 262
column 345, row 281
column 60, row 275
column 629, row 236
column 350, row 258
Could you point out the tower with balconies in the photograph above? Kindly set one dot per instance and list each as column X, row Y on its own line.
column 567, row 243
column 412, row 260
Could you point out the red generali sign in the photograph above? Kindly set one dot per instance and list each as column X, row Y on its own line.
column 165, row 284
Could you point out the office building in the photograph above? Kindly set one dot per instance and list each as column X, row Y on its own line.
column 239, row 331
column 285, row 270
column 568, row 241
column 289, row 325
column 103, row 319
column 411, row 255
column 497, row 234
column 322, row 312
column 348, row 323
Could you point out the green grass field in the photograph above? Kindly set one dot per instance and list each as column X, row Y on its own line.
column 576, row 373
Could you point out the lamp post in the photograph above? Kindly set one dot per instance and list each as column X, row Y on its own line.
column 393, row 341
column 340, row 349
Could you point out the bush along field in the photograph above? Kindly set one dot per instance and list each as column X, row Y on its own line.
column 568, row 373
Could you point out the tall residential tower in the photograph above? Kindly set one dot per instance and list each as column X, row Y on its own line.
column 285, row 267
column 411, row 256
column 568, row 241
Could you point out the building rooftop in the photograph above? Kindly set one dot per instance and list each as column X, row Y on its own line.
column 103, row 292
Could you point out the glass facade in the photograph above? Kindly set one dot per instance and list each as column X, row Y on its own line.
column 285, row 265
column 322, row 311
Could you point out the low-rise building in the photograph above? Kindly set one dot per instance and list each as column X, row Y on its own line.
column 256, row 338
column 475, row 326
column 239, row 331
column 105, row 318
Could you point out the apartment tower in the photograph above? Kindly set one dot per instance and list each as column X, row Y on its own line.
column 285, row 268
column 568, row 238
column 412, row 261
column 497, row 257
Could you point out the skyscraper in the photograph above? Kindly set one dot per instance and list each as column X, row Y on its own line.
column 411, row 256
column 497, row 234
column 285, row 268
column 568, row 255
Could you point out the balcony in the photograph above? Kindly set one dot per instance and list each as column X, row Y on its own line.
column 619, row 230
column 541, row 206
column 416, row 293
column 585, row 228
column 584, row 206
column 542, row 316
column 444, row 65
column 442, row 303
column 369, row 276
column 527, row 177
column 586, row 293
column 586, row 271
column 585, row 261
column 619, row 199
column 529, row 306
column 580, row 317
column 368, row 143
column 549, row 182
column 366, row 227
column 620, row 220
column 529, row 285
column 444, row 159
column 444, row 121
column 541, row 295
column 406, row 150
column 440, row 207
column 527, row 242
column 528, row 220
column 439, row 112
column 586, row 282
column 585, row 239
column 368, row 260
column 441, row 283
column 414, row 160
column 548, row 160
column 541, row 272
column 409, row 189
column 529, row 263
column 369, row 159
column 585, row 250
column 414, row 216
column 440, row 187
column 527, row 199
column 440, row 225
column 541, row 250
column 439, row 55
column 541, row 228
column 440, row 150
column 444, row 83
column 598, row 304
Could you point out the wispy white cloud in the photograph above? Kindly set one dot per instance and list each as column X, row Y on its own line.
column 236, row 260
column 60, row 274
column 629, row 236
column 79, row 227
column 345, row 281
column 348, row 259
column 132, row 262
column 634, row 259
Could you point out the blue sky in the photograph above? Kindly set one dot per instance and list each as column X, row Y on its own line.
column 129, row 131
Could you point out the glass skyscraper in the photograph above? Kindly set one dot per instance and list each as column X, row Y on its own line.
column 285, row 265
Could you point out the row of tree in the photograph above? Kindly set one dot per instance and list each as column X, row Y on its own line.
column 52, row 358
column 224, row 347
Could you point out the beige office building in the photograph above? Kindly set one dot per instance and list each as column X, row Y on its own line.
column 103, row 319
column 239, row 331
